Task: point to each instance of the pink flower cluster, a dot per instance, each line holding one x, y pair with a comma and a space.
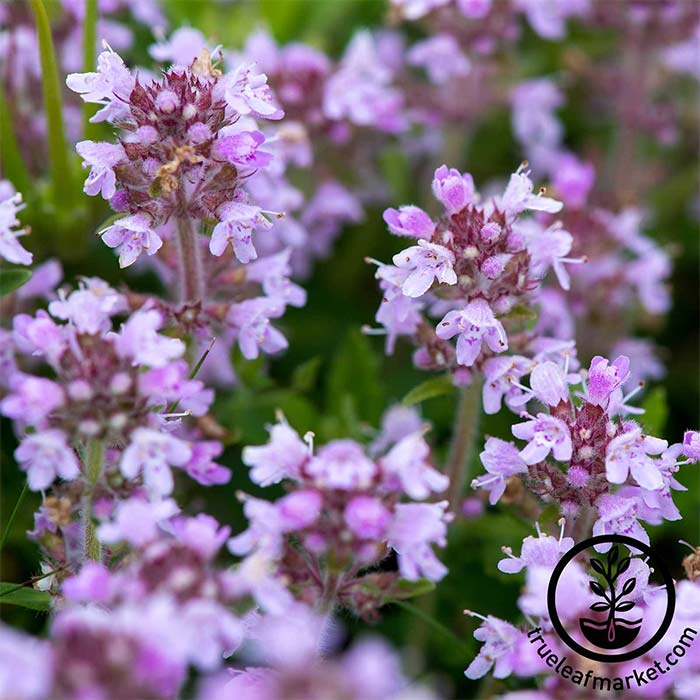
583, 453
343, 513
104, 385
471, 269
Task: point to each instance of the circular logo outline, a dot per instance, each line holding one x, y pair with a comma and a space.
572, 643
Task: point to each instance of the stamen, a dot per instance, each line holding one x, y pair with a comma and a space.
309, 440
634, 391
687, 544
471, 613
537, 527
562, 524
184, 414
369, 330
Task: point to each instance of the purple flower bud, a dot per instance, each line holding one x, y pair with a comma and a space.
409, 221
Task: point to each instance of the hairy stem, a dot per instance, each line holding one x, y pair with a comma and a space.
94, 460
190, 263
581, 527
464, 435
331, 584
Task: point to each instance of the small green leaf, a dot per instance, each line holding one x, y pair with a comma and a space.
24, 597
429, 389
305, 376
13, 279
403, 590
354, 387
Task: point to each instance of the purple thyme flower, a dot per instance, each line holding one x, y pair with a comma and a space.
10, 248
424, 263
629, 452
415, 527
544, 434
45, 456
474, 324
132, 234
501, 460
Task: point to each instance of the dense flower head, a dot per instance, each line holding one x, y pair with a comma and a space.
344, 508
471, 268
105, 385
583, 453
183, 151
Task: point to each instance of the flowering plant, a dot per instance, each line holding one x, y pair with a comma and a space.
234, 465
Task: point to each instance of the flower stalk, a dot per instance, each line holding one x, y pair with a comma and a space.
94, 461
189, 261
466, 426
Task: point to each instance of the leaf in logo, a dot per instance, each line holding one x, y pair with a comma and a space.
628, 587
598, 589
600, 606
627, 605
597, 565
623, 565
612, 556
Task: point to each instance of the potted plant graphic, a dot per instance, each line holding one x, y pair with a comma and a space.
613, 632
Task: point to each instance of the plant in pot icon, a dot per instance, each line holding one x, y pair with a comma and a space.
612, 632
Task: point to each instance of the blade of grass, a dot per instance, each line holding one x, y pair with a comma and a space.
12, 162
63, 193
13, 515
89, 48
431, 621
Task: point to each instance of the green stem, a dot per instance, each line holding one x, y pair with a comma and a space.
94, 460
330, 593
13, 164
89, 49
465, 429
53, 108
13, 515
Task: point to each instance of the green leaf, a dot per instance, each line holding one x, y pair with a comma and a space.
251, 373
354, 390
246, 413
429, 389
13, 279
403, 590
305, 376
655, 408
24, 597
61, 175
